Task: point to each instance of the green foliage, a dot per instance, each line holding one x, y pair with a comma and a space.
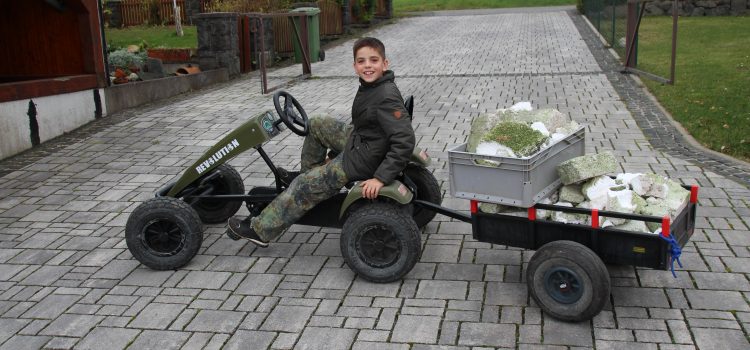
364, 10
151, 36
519, 137
579, 6
249, 5
124, 59
711, 95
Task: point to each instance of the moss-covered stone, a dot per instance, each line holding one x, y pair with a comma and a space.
572, 194
585, 167
552, 118
520, 138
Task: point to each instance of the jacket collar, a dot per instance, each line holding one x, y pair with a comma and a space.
387, 76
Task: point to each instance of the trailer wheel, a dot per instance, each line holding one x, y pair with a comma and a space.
568, 281
428, 189
380, 242
164, 233
229, 181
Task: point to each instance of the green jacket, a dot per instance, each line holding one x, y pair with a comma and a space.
382, 139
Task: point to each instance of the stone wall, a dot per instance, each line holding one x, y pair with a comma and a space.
218, 41
700, 7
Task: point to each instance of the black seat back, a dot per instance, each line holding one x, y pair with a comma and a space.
409, 105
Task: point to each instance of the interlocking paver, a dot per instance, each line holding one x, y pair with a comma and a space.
67, 279
326, 338
107, 338
157, 316
416, 329
72, 325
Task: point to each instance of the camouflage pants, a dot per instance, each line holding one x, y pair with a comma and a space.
318, 182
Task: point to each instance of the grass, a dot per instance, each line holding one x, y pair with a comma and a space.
401, 6
152, 36
711, 95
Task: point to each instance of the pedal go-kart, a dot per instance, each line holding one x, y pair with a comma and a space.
380, 238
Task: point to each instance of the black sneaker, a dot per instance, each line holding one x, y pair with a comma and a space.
286, 177
237, 229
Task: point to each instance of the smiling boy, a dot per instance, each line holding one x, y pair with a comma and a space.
378, 144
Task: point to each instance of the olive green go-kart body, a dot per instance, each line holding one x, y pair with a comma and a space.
380, 238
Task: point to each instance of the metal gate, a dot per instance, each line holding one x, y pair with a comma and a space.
618, 22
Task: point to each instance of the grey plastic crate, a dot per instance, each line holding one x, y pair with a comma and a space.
515, 182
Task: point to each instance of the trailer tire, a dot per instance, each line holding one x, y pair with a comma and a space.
380, 242
164, 233
428, 189
568, 281
212, 211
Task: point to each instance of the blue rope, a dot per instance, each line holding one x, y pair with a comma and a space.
674, 250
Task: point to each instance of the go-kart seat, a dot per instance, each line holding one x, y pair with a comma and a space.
409, 105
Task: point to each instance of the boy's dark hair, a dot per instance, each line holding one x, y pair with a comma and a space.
369, 42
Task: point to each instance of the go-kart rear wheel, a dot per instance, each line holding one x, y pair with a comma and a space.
568, 281
228, 181
428, 189
380, 242
164, 233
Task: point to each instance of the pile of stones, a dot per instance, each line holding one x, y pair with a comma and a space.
587, 185
518, 132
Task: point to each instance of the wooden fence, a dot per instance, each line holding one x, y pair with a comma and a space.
137, 12
330, 21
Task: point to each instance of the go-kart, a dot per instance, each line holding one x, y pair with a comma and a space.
380, 238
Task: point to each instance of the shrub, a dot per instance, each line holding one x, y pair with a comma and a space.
125, 59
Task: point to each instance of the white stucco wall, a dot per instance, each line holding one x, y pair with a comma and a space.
56, 115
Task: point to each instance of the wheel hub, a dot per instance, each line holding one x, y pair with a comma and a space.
563, 285
378, 246
162, 237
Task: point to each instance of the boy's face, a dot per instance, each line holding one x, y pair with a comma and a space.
369, 65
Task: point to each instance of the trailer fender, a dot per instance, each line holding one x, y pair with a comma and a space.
396, 191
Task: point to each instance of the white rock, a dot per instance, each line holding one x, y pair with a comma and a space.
568, 218
494, 149
677, 197
595, 190
633, 225
556, 137
626, 178
621, 202
541, 213
587, 205
568, 129
539, 126
650, 185
521, 106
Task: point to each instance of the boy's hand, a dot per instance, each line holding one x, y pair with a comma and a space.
370, 188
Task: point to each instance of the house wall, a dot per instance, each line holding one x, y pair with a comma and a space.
22, 126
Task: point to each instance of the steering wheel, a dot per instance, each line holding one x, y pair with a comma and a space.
297, 122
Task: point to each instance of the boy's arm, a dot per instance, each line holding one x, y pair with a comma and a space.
396, 124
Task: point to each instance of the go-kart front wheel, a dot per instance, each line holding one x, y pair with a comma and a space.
164, 233
227, 181
380, 242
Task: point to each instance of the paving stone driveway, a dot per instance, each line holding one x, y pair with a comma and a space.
68, 281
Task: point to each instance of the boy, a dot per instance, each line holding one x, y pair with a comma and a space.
375, 148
